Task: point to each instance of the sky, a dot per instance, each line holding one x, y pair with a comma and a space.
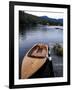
50, 14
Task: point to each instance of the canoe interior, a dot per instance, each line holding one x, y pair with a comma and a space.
38, 51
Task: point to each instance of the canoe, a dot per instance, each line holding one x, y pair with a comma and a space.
34, 60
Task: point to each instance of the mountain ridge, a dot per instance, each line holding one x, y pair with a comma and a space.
52, 19
26, 20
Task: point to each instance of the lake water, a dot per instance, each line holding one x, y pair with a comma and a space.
41, 34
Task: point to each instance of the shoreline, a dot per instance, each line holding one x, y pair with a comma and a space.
52, 26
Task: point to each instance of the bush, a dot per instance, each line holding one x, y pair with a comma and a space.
58, 49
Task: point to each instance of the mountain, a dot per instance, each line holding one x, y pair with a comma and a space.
52, 20
60, 20
27, 20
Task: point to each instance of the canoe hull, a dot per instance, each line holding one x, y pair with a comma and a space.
31, 64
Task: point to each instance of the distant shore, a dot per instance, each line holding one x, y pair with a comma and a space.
52, 26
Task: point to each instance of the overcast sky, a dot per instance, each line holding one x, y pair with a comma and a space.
55, 15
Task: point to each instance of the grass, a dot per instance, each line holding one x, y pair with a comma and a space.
58, 49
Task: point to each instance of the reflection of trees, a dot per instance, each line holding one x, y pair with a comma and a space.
22, 33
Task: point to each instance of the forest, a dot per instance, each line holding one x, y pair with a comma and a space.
26, 20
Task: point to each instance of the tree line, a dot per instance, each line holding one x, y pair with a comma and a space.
26, 20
